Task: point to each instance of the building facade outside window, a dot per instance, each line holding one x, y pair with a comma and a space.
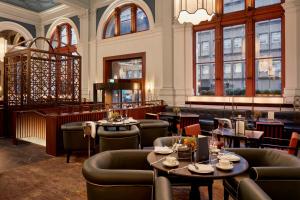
240, 52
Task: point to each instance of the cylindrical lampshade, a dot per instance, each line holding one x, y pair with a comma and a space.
3, 47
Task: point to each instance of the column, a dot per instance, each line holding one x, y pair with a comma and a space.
292, 50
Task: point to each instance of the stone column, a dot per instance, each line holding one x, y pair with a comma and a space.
165, 19
292, 50
83, 49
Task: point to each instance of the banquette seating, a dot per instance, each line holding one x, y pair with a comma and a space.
269, 168
123, 174
150, 129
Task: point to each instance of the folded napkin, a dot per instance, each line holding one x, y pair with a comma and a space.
204, 167
102, 121
93, 127
230, 157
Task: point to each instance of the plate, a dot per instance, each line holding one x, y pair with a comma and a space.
230, 157
215, 150
229, 167
202, 168
166, 163
163, 150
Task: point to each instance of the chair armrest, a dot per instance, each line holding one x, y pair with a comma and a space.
249, 190
274, 173
163, 189
121, 177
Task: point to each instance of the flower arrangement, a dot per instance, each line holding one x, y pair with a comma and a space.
115, 117
190, 142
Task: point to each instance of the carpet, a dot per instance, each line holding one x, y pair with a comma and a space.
54, 179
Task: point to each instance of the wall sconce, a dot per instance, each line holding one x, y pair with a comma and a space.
3, 48
150, 88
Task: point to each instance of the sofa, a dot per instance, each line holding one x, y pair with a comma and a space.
269, 168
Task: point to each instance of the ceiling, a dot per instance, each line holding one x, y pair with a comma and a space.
33, 5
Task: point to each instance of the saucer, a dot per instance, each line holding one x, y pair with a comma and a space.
163, 150
230, 157
166, 163
229, 167
202, 168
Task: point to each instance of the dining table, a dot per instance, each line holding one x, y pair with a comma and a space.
182, 170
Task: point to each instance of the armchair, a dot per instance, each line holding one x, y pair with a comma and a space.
249, 190
124, 174
268, 168
163, 190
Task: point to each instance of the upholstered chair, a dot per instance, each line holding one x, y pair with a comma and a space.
151, 129
73, 138
119, 174
192, 130
249, 190
114, 140
163, 189
268, 168
175, 180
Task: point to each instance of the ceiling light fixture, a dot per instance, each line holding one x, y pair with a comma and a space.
196, 11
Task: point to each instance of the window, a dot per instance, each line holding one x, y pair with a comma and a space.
126, 19
260, 3
268, 63
234, 80
233, 5
205, 63
64, 39
247, 57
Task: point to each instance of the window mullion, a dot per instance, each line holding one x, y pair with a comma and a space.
117, 22
133, 18
219, 60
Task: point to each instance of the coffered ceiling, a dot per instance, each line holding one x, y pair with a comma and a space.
33, 5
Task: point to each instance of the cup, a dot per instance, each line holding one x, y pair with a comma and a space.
171, 160
224, 163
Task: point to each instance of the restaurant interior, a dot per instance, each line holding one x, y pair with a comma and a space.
149, 99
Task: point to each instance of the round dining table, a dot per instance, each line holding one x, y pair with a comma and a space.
155, 160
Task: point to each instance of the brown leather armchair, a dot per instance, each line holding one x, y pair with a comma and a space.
115, 140
163, 189
151, 129
269, 168
119, 174
249, 190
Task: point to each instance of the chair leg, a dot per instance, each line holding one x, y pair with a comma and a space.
69, 152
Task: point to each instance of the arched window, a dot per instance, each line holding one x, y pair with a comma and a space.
64, 39
126, 19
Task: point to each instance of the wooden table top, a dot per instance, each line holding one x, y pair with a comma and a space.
249, 134
182, 170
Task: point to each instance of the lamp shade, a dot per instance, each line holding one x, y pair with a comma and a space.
3, 47
195, 11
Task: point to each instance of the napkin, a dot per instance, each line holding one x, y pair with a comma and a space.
161, 149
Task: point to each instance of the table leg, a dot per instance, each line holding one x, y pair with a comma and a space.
194, 193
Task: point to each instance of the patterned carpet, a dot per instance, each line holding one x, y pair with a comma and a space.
54, 179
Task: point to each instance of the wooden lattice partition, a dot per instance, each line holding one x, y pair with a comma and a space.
38, 77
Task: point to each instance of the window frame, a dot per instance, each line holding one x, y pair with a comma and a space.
249, 17
117, 13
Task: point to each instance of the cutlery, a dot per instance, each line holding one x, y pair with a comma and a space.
158, 160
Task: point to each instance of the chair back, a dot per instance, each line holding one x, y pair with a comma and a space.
293, 144
193, 130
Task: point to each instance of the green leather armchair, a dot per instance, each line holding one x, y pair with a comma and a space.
119, 174
249, 190
150, 129
269, 168
163, 189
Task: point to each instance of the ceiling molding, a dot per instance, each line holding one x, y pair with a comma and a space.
79, 4
19, 14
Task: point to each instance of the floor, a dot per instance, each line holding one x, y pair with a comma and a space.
28, 173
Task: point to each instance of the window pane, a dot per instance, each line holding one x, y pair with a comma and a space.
125, 18
260, 3
110, 28
128, 69
234, 60
205, 68
74, 38
55, 40
233, 5
142, 20
64, 36
268, 57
